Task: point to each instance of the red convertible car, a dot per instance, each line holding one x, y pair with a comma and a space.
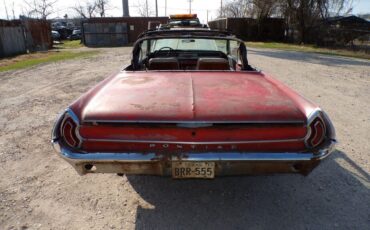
191, 106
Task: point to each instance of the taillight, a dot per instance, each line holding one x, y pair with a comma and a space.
69, 132
317, 132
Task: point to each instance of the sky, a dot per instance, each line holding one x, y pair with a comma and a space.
200, 7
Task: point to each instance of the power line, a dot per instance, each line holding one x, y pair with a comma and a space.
185, 9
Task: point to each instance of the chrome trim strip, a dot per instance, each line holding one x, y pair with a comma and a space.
73, 116
194, 143
194, 122
313, 115
330, 126
245, 157
106, 157
194, 125
55, 130
75, 157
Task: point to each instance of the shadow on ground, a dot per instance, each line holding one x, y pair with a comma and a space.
330, 197
312, 58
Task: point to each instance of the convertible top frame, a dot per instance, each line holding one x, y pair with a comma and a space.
188, 33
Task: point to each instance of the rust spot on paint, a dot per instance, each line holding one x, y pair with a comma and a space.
142, 107
136, 80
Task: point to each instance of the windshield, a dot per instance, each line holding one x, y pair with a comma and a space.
185, 44
189, 22
189, 53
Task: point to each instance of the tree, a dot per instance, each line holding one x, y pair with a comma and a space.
264, 8
235, 9
249, 8
101, 7
40, 8
258, 9
300, 15
144, 9
92, 8
13, 11
305, 15
330, 8
6, 10
87, 10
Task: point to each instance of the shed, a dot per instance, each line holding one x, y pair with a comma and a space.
118, 31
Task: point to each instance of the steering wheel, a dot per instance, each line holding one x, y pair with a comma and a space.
169, 50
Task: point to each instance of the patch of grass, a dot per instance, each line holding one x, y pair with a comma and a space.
308, 48
32, 60
67, 44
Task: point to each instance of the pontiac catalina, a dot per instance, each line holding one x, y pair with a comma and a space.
190, 106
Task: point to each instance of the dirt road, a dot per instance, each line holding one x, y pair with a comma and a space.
38, 190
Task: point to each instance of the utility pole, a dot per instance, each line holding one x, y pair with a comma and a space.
221, 9
147, 8
125, 8
190, 6
207, 16
156, 8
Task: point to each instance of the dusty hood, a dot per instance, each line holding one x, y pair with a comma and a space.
190, 96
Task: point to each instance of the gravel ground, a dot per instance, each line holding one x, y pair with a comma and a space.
38, 190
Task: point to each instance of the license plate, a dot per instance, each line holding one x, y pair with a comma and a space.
181, 169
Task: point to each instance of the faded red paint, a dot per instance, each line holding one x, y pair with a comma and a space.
192, 96
170, 134
104, 146
215, 133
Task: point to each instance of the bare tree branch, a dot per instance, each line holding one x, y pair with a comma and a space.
40, 8
143, 8
249, 8
6, 10
13, 10
101, 7
87, 10
301, 15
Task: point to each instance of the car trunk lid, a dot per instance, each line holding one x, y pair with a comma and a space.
188, 97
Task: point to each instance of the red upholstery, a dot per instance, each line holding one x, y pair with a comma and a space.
213, 64
169, 63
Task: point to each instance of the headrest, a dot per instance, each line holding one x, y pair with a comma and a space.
213, 64
169, 63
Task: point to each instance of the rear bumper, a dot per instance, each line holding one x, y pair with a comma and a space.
225, 163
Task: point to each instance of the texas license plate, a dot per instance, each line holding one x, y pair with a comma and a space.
181, 169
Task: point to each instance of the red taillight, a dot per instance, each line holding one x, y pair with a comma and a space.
68, 132
317, 134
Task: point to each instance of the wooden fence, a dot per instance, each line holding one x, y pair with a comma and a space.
249, 29
115, 31
24, 35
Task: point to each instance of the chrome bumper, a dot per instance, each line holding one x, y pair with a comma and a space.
226, 163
